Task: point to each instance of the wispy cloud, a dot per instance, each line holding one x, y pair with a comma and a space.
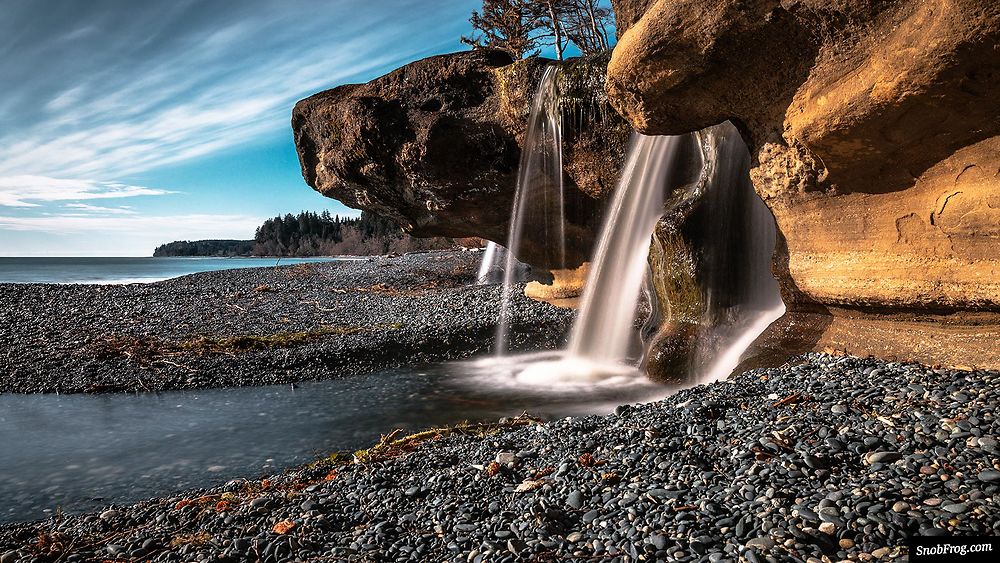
223, 79
27, 191
87, 208
163, 228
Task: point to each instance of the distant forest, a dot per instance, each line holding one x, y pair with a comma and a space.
317, 234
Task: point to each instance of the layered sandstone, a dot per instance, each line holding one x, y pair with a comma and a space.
875, 133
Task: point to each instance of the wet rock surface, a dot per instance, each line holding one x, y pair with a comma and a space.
761, 467
257, 326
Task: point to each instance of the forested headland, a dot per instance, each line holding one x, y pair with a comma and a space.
317, 234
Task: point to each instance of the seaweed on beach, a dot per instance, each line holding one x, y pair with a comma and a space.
392, 446
147, 351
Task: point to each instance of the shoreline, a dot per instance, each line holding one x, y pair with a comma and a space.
831, 456
258, 326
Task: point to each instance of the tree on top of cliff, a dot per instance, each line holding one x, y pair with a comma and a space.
507, 25
586, 23
522, 27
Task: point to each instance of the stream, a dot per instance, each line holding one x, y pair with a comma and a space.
78, 453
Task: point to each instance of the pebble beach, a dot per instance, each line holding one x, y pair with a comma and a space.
259, 326
826, 458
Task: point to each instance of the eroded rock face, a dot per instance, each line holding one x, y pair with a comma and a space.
875, 132
435, 145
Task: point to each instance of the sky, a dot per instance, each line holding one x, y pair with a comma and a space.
127, 124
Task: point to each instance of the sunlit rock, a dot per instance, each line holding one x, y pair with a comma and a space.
874, 134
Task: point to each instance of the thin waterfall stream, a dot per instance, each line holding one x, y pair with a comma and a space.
539, 199
490, 259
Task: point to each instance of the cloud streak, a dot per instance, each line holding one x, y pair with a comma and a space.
87, 208
28, 191
171, 226
199, 81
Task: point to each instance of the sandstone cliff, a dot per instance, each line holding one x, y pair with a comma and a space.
875, 133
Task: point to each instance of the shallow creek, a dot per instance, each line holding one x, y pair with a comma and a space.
81, 452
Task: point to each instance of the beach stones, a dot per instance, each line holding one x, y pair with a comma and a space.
695, 490
882, 457
990, 476
506, 458
575, 500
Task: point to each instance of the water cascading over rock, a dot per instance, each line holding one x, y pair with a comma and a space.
713, 291
711, 258
539, 208
876, 145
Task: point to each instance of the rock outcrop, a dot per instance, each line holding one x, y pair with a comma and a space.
875, 133
435, 145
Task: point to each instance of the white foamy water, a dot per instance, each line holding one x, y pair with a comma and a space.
559, 375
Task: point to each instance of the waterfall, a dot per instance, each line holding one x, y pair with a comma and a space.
701, 181
539, 197
739, 234
488, 264
735, 235
603, 328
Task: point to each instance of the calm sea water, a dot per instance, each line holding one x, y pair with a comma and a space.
125, 270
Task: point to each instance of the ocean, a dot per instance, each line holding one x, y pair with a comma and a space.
126, 270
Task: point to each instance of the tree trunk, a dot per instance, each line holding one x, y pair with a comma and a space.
598, 36
556, 30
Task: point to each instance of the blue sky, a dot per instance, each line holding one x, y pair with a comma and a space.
125, 124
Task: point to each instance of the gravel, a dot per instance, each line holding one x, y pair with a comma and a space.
258, 326
717, 472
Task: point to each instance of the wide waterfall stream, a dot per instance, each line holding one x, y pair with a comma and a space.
602, 332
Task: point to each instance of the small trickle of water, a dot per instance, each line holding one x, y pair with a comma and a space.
539, 200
